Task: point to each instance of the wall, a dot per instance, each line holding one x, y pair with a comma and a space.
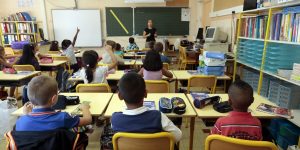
220, 4
11, 6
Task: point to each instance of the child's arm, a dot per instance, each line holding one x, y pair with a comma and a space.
112, 56
145, 35
167, 73
87, 117
168, 126
75, 37
141, 72
216, 129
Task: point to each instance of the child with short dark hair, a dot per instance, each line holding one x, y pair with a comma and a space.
239, 123
68, 50
132, 45
39, 116
54, 46
91, 73
136, 117
159, 47
153, 67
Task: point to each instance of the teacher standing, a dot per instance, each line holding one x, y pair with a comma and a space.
150, 32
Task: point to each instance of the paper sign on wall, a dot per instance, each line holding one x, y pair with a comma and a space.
185, 14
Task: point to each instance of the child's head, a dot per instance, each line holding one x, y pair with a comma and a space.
65, 44
132, 89
28, 53
111, 43
42, 91
240, 96
118, 47
54, 46
131, 40
152, 61
159, 47
150, 45
90, 61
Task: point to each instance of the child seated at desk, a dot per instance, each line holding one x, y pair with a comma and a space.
239, 123
54, 46
107, 58
136, 117
91, 72
3, 64
39, 116
68, 50
153, 67
132, 45
118, 50
159, 48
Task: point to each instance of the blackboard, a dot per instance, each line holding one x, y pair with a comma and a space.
113, 27
167, 21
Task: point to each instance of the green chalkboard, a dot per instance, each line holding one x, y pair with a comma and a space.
167, 20
125, 15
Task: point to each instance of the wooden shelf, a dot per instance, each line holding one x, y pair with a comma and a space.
254, 39
18, 21
9, 33
288, 4
26, 33
250, 66
283, 42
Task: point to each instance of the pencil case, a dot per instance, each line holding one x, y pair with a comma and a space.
165, 105
179, 106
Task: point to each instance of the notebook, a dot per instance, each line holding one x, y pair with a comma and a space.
278, 111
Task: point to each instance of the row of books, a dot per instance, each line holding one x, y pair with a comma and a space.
8, 39
21, 16
254, 27
22, 28
25, 28
8, 28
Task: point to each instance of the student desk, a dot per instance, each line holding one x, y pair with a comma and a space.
116, 105
184, 75
127, 62
19, 79
133, 55
98, 103
51, 66
209, 113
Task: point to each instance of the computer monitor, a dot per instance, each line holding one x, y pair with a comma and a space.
213, 34
200, 34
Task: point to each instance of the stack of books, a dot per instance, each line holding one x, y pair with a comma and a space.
296, 73
21, 16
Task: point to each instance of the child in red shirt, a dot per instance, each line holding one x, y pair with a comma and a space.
239, 123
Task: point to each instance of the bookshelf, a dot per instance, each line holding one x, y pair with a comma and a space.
18, 31
268, 40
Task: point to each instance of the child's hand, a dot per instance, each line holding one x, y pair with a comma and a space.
27, 108
78, 29
108, 47
84, 106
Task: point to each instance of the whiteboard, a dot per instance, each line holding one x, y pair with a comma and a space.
65, 23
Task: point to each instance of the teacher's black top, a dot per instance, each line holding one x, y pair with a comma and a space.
152, 32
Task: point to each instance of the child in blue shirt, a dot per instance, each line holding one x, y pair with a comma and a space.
159, 48
39, 116
132, 45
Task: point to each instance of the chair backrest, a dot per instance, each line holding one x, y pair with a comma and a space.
138, 141
214, 142
166, 66
93, 88
9, 51
157, 86
183, 53
24, 67
209, 82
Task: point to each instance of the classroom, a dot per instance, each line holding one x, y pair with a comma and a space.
150, 74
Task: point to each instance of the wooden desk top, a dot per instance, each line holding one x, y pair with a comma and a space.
54, 64
139, 62
116, 105
98, 103
17, 77
127, 62
209, 112
184, 75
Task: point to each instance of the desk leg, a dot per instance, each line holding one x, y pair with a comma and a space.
176, 86
225, 86
192, 126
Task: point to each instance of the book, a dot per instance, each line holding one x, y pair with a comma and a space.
278, 111
150, 105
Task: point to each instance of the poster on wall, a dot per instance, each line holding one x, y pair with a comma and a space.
185, 14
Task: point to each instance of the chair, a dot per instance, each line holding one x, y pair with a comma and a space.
215, 142
166, 66
93, 88
184, 59
9, 51
63, 58
209, 82
157, 86
138, 141
24, 67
